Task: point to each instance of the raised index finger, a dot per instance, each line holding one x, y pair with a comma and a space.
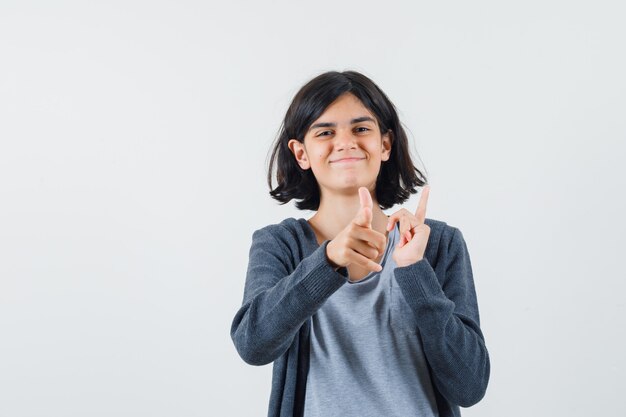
421, 208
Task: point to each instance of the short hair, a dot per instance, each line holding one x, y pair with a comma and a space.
397, 177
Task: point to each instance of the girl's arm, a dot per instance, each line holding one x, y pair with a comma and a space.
448, 321
276, 303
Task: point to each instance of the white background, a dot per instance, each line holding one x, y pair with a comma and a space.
133, 145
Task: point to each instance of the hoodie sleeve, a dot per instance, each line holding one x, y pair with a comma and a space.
448, 321
278, 301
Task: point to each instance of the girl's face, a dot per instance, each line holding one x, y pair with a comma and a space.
343, 147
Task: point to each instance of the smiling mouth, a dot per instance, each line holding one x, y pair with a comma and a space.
347, 160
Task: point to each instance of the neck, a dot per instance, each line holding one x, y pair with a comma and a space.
337, 211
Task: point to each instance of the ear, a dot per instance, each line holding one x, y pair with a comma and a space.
299, 152
386, 145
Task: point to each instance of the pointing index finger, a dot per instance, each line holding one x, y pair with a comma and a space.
420, 213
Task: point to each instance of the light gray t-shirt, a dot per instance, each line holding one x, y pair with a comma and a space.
366, 355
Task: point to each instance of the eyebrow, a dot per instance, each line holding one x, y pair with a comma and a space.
353, 121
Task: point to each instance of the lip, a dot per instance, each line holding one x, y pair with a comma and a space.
348, 160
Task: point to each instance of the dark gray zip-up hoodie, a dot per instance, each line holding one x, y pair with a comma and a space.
289, 277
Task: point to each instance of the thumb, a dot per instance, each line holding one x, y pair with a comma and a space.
364, 217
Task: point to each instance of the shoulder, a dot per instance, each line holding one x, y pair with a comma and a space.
444, 238
287, 228
440, 229
291, 236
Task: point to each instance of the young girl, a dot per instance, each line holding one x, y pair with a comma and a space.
363, 314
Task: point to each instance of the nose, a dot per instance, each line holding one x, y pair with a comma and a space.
345, 138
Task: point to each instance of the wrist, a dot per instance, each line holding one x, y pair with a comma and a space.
330, 261
402, 264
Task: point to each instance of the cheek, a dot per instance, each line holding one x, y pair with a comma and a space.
374, 151
321, 152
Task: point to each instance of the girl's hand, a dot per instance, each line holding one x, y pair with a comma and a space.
414, 232
358, 243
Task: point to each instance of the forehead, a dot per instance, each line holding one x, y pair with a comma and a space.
346, 107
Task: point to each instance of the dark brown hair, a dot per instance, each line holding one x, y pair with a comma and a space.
397, 178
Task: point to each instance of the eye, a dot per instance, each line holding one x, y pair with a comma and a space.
323, 133
365, 129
